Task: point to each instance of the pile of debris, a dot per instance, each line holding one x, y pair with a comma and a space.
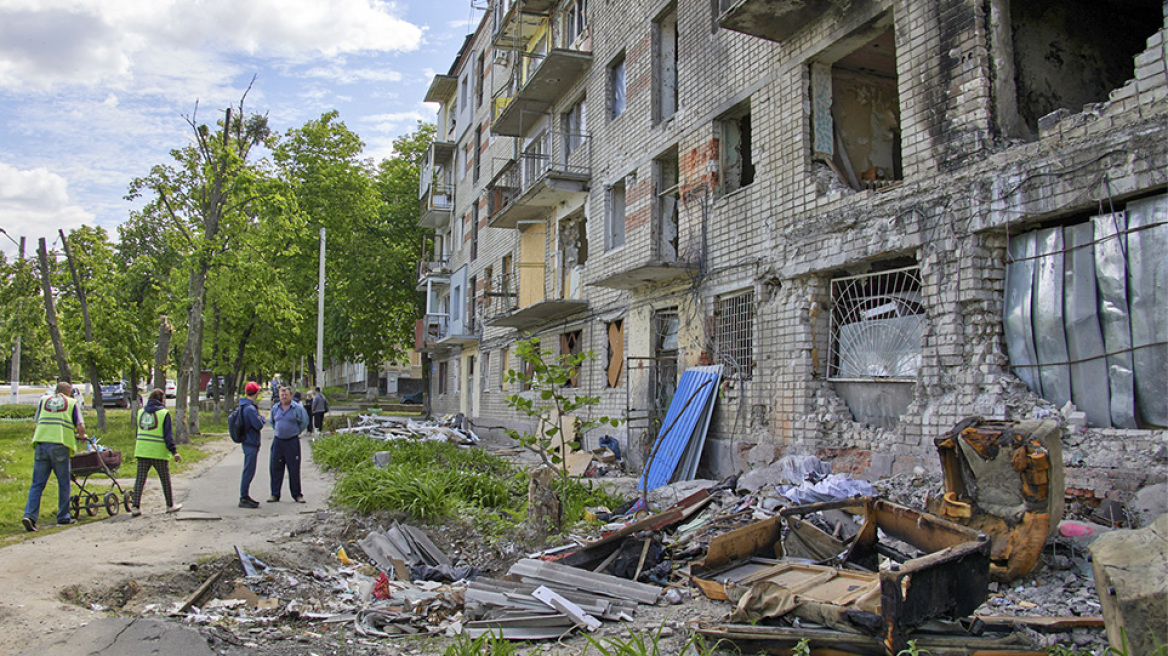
387, 427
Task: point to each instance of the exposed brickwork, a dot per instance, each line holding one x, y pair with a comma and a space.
965, 189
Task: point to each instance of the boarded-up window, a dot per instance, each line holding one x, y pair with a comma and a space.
616, 353
1086, 318
734, 318
570, 345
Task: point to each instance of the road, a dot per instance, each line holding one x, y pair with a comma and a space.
35, 621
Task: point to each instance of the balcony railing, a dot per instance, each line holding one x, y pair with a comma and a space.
429, 330
538, 81
429, 267
537, 179
501, 296
437, 204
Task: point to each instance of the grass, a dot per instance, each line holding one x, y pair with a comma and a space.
16, 453
430, 480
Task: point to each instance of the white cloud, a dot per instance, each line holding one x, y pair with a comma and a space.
48, 42
35, 203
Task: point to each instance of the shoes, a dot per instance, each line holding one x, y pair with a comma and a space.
175, 508
300, 500
66, 522
137, 512
29, 524
248, 502
273, 499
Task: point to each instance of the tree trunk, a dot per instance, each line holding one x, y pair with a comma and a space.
372, 381
160, 352
51, 318
237, 366
217, 365
187, 404
90, 363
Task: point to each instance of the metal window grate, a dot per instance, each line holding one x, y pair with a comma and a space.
876, 325
734, 341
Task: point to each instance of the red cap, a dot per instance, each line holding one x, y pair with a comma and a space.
252, 387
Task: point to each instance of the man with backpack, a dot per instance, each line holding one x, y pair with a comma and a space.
250, 423
320, 405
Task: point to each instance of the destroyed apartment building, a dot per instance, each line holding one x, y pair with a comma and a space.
852, 224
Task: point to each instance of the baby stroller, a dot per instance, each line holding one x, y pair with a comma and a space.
87, 464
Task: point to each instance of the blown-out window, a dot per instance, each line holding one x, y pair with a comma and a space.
877, 321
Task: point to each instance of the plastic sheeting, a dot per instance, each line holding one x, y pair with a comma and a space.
1147, 258
1084, 337
1111, 275
835, 486
1019, 327
1050, 337
683, 432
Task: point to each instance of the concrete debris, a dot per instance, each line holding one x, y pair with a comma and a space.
386, 427
1130, 569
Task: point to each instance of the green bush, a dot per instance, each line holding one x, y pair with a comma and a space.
430, 480
17, 411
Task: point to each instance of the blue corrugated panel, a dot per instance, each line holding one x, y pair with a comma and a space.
685, 425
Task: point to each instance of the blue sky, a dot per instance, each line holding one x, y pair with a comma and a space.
93, 92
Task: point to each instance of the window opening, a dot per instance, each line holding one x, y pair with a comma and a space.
665, 65
443, 372
734, 339
570, 345
855, 110
480, 76
877, 323
474, 230
666, 324
472, 303
504, 367
573, 256
477, 154
485, 375
737, 153
574, 128
1073, 53
614, 233
668, 199
529, 368
616, 84
615, 353
575, 19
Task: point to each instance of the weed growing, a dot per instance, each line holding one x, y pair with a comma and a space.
430, 480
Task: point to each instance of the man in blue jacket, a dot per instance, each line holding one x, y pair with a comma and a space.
289, 419
253, 423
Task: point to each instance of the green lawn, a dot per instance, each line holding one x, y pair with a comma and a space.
16, 453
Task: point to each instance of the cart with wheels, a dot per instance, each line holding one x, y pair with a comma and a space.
90, 463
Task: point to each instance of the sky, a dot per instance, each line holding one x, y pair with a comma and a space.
93, 93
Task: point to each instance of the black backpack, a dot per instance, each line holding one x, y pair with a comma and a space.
235, 425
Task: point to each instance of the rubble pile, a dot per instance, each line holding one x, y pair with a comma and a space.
386, 427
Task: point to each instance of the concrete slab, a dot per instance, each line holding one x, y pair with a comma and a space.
119, 636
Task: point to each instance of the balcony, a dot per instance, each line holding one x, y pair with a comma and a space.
432, 273
503, 303
442, 88
526, 188
428, 331
437, 204
649, 271
541, 80
774, 20
519, 22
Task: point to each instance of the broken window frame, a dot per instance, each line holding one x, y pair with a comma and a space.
667, 207
573, 255
665, 60
571, 343
504, 367
575, 127
617, 87
575, 21
443, 372
615, 215
485, 373
876, 301
735, 150
734, 315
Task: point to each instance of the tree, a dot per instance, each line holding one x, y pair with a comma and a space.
208, 195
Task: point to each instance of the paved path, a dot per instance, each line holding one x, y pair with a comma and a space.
35, 622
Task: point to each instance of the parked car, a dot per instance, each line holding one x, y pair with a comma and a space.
171, 389
116, 394
222, 386
412, 399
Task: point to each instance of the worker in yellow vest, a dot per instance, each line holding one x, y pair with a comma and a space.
59, 427
154, 449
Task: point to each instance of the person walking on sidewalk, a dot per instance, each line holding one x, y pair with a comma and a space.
253, 423
320, 405
289, 419
58, 428
154, 449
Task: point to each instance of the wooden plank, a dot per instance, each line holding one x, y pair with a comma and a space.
202, 589
566, 607
1054, 624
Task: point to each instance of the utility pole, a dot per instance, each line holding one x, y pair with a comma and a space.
16, 347
320, 318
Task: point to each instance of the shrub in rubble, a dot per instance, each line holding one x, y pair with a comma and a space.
544, 379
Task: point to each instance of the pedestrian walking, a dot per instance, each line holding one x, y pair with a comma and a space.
154, 449
320, 406
253, 423
308, 408
289, 419
58, 428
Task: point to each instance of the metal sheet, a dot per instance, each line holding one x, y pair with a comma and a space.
1111, 274
1089, 389
1147, 244
1019, 329
1050, 338
687, 414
